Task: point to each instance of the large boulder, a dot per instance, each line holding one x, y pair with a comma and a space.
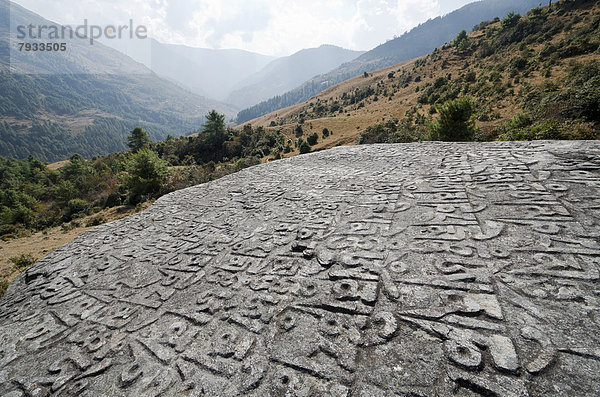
421, 269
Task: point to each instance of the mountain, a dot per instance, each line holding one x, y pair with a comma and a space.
206, 72
534, 77
286, 73
83, 100
418, 42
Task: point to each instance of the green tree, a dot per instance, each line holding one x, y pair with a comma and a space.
462, 35
313, 139
215, 123
138, 139
147, 174
461, 41
510, 20
455, 123
210, 143
76, 170
304, 147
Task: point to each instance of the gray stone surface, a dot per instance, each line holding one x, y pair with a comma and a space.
425, 269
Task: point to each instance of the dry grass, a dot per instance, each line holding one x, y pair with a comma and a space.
348, 126
41, 244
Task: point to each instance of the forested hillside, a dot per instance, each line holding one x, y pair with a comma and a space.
84, 100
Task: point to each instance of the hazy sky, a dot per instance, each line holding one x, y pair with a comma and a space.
271, 27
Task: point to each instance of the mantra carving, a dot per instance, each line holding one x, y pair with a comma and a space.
422, 269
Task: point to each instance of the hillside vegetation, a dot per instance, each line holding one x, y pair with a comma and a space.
45, 205
418, 42
83, 100
530, 77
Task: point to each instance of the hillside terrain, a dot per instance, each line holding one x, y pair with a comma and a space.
85, 99
286, 73
536, 76
418, 42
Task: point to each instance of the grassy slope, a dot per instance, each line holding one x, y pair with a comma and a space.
347, 126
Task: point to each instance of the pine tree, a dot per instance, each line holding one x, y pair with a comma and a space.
455, 122
138, 139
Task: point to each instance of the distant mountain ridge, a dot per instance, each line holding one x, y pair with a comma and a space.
531, 78
84, 100
418, 42
286, 73
206, 72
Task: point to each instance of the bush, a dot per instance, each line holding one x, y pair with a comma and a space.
455, 122
313, 139
78, 207
375, 134
521, 120
3, 288
549, 129
147, 174
304, 147
539, 131
23, 261
95, 221
8, 230
518, 63
510, 20
461, 42
581, 131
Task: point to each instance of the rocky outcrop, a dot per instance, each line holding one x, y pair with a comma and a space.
422, 269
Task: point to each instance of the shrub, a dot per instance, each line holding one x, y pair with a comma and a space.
147, 175
374, 134
23, 261
461, 42
8, 229
3, 288
455, 122
510, 20
304, 147
78, 207
518, 63
95, 221
581, 131
521, 120
540, 131
313, 139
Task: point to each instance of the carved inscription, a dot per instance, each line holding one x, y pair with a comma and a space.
421, 269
